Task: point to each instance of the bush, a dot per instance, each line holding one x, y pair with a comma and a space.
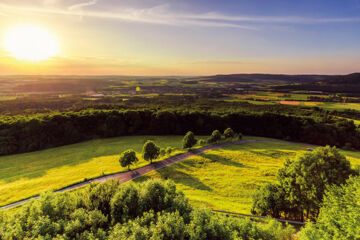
189, 140
150, 210
339, 215
150, 151
162, 152
229, 133
169, 150
239, 136
215, 136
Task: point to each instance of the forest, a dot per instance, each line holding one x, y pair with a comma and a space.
35, 132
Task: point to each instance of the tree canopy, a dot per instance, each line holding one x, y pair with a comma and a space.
127, 158
339, 216
189, 140
150, 151
303, 182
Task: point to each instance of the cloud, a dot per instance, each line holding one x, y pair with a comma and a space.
270, 19
82, 5
162, 14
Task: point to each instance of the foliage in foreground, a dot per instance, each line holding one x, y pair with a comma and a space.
302, 184
153, 210
339, 216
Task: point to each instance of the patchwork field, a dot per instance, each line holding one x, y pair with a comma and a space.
224, 179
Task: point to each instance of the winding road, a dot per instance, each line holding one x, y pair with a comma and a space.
130, 175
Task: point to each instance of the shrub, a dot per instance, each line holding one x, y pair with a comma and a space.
169, 150
162, 152
229, 133
150, 210
339, 215
215, 136
189, 140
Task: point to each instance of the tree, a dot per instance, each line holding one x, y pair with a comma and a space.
128, 158
305, 179
150, 151
215, 136
189, 140
302, 184
229, 133
269, 200
339, 215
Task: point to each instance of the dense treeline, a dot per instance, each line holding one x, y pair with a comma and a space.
153, 210
29, 133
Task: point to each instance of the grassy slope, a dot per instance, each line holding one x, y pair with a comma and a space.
224, 179
25, 175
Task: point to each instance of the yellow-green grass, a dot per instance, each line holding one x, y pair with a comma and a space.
331, 105
28, 174
225, 179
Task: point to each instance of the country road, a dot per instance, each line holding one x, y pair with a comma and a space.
130, 175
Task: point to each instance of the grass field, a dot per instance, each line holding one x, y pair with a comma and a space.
224, 179
28, 174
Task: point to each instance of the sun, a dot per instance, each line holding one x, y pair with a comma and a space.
30, 43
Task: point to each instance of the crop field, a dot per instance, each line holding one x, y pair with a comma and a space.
224, 179
325, 105
28, 174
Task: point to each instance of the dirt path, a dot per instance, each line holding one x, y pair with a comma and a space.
130, 175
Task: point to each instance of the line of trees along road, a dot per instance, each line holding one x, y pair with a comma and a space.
29, 133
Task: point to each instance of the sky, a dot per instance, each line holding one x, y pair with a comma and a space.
188, 37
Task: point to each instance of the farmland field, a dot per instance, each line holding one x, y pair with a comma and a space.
224, 179
25, 175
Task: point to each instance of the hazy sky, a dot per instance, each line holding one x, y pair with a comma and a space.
189, 37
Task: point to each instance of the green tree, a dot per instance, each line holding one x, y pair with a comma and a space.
339, 215
125, 204
269, 200
305, 179
215, 136
128, 158
150, 151
229, 133
189, 140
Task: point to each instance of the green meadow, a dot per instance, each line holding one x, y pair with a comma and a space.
28, 174
222, 179
225, 179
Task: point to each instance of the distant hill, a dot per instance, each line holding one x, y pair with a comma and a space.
353, 78
333, 84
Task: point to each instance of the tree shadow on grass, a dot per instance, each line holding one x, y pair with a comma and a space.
179, 177
272, 153
222, 160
